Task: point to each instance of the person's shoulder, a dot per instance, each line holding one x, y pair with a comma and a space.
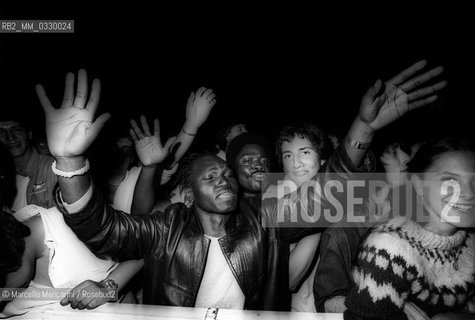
175, 212
337, 237
35, 241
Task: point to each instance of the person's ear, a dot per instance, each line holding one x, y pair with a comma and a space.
30, 135
189, 198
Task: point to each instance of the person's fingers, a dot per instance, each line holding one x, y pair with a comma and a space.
94, 303
212, 103
136, 128
145, 127
68, 98
379, 101
370, 95
409, 72
133, 135
87, 294
95, 96
98, 125
211, 96
417, 81
64, 301
84, 302
419, 103
200, 92
81, 93
156, 128
190, 98
426, 91
44, 101
207, 93
75, 294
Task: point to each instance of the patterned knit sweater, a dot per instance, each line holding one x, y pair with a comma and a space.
400, 261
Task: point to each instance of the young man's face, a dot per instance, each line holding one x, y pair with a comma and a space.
214, 186
15, 137
251, 164
300, 160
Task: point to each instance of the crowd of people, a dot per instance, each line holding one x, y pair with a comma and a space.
164, 226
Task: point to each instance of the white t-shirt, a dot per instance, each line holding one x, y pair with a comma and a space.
70, 262
219, 288
125, 192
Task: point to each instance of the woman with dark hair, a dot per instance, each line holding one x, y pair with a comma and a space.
421, 263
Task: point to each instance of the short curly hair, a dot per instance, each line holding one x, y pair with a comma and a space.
317, 137
185, 168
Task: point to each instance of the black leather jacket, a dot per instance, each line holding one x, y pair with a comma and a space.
175, 249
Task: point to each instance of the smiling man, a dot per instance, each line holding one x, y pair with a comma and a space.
249, 155
34, 177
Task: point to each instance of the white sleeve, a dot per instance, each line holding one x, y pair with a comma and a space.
80, 204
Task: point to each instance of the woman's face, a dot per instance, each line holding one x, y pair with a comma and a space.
448, 191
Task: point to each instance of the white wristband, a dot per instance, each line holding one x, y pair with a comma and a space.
70, 174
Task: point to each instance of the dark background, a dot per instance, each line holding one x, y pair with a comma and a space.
268, 66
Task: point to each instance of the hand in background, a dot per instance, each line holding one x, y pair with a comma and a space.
401, 94
198, 107
148, 145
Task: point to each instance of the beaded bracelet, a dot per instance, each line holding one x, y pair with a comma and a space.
70, 174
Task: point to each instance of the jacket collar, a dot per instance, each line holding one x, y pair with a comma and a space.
232, 225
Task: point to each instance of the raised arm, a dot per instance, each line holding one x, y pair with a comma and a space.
70, 131
381, 106
151, 153
198, 108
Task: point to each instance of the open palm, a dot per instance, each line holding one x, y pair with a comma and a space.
71, 129
401, 94
147, 145
199, 106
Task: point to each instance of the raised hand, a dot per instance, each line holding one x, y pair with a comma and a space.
148, 146
402, 94
198, 107
71, 129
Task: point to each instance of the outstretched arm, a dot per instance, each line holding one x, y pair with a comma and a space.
401, 94
87, 294
198, 108
151, 153
70, 131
